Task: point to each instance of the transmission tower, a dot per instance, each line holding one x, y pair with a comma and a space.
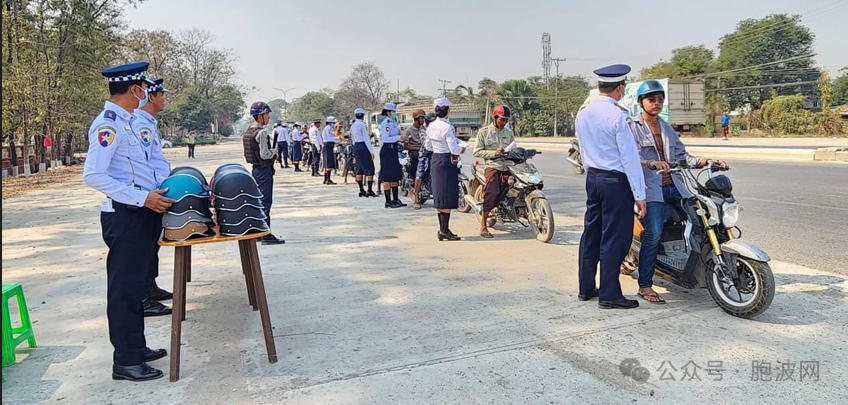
546, 57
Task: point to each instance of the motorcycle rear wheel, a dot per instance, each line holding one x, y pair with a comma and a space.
759, 285
464, 206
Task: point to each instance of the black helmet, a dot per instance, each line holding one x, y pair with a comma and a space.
259, 107
235, 217
191, 203
430, 117
249, 225
232, 183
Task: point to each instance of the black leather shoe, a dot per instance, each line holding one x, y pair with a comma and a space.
392, 204
153, 355
619, 304
159, 295
272, 240
141, 372
448, 236
363, 194
371, 194
330, 182
588, 295
399, 203
155, 308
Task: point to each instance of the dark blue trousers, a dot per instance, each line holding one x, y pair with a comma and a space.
131, 234
154, 267
607, 233
283, 152
264, 177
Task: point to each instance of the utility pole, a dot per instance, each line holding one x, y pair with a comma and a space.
556, 62
444, 85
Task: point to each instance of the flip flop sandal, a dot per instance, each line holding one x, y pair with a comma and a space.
659, 300
486, 234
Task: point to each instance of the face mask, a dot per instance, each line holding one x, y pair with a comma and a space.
142, 101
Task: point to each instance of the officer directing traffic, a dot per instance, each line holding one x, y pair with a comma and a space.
614, 180
119, 165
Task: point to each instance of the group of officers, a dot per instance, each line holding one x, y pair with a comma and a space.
125, 162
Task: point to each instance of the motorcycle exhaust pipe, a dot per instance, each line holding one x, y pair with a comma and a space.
473, 203
573, 161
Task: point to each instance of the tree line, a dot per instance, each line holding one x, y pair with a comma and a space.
53, 52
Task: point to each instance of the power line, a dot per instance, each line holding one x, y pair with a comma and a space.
706, 75
763, 86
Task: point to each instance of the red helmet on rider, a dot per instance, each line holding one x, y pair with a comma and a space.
501, 111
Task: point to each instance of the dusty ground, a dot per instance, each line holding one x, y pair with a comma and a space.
20, 185
368, 307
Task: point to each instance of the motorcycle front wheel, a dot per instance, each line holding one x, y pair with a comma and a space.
543, 219
748, 296
464, 206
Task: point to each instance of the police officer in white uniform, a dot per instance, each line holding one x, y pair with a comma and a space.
281, 138
364, 153
614, 181
391, 173
146, 126
328, 150
118, 165
317, 145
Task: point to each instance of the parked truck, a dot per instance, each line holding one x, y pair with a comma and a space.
684, 108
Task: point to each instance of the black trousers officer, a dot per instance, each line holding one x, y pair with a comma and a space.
131, 233
283, 153
608, 232
265, 180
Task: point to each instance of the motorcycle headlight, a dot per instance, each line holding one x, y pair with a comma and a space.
729, 214
535, 178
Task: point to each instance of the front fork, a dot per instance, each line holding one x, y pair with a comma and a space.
726, 269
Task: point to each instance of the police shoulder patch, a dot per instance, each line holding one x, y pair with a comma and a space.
106, 135
145, 134
110, 115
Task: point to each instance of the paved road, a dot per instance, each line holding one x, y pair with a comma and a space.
797, 212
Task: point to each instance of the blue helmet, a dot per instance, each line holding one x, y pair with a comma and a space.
259, 108
647, 88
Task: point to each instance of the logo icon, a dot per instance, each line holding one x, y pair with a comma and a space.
631, 367
145, 134
105, 136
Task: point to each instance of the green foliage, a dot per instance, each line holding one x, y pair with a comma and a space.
786, 115
825, 91
756, 42
518, 95
840, 88
685, 61
312, 105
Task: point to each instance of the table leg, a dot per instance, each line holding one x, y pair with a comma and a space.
262, 301
187, 278
248, 275
176, 318
188, 268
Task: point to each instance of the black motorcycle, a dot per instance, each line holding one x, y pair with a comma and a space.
523, 201
701, 247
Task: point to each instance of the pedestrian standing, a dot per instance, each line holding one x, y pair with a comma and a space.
146, 126
364, 153
390, 171
281, 134
259, 152
329, 146
296, 148
444, 172
118, 165
614, 181
190, 141
423, 169
317, 144
725, 124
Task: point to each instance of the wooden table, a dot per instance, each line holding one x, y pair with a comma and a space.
252, 278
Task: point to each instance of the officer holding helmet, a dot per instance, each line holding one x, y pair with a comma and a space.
658, 145
119, 165
491, 142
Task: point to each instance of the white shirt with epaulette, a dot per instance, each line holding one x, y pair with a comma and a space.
389, 131
118, 164
147, 128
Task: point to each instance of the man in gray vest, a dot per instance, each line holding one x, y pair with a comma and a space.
259, 152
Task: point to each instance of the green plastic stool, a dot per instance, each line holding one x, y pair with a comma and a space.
12, 337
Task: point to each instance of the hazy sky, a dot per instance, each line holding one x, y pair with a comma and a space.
313, 44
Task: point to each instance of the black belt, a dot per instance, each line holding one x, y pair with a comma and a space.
609, 172
127, 207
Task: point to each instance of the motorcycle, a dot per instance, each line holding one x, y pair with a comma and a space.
575, 158
524, 199
698, 247
424, 194
306, 147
